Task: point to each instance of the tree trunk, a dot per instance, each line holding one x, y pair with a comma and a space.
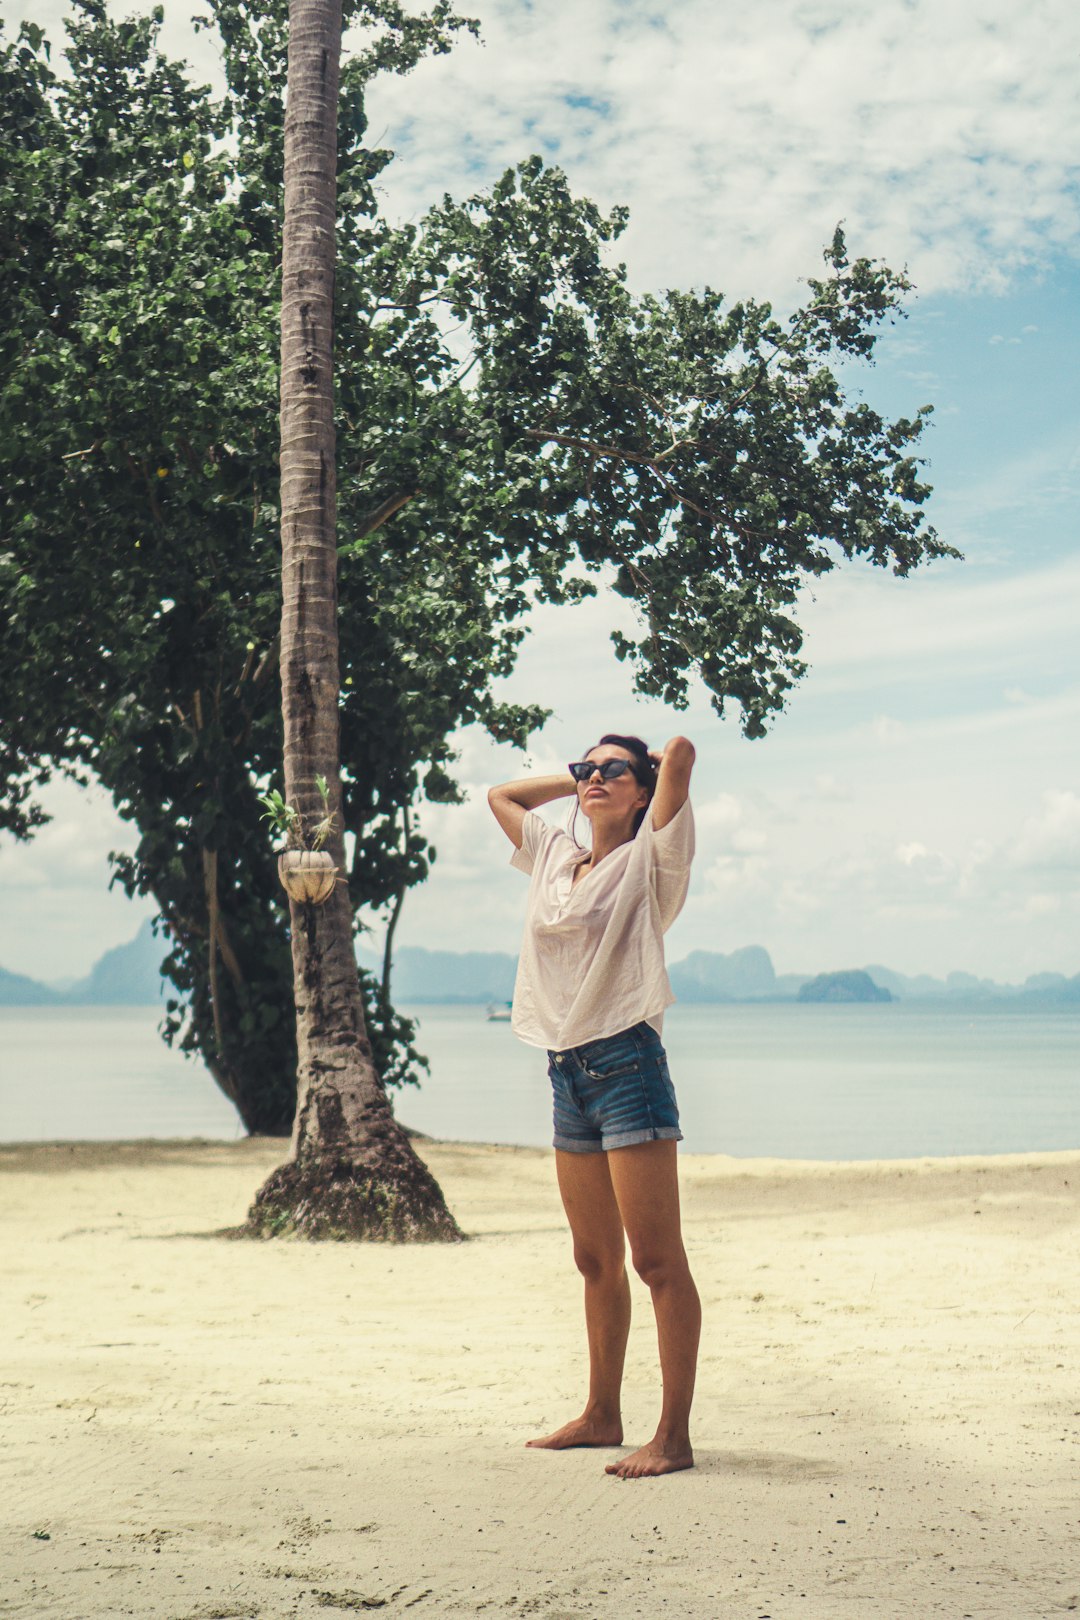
352, 1172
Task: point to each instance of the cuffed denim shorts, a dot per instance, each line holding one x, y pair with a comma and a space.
613, 1093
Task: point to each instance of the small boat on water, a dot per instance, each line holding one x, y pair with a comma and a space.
497, 1014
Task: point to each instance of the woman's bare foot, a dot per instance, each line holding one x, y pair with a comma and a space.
655, 1458
587, 1430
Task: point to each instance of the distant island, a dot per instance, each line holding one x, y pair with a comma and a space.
126, 976
850, 985
129, 976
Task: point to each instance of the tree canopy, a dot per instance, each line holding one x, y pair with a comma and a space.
507, 411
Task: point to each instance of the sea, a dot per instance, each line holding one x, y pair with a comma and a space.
892, 1081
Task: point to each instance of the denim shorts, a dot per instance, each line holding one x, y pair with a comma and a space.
613, 1093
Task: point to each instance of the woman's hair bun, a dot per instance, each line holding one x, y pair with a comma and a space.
633, 745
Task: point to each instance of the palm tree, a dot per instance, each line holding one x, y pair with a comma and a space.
352, 1171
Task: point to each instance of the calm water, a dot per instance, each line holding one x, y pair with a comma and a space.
809, 1082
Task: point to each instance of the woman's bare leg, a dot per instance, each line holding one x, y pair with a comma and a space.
645, 1183
600, 1255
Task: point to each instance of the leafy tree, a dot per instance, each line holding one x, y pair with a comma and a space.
140, 555
705, 453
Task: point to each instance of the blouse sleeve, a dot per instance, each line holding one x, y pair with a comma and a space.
671, 850
534, 830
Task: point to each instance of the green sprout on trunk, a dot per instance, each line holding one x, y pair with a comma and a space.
287, 822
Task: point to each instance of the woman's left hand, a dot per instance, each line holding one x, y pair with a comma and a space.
673, 766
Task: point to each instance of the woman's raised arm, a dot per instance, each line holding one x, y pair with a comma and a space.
510, 800
672, 779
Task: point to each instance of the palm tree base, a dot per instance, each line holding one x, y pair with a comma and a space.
328, 1197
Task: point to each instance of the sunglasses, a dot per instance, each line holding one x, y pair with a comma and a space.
582, 769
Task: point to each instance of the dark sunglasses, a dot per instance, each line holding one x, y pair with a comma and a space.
582, 769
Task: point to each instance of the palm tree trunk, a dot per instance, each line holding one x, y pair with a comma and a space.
352, 1171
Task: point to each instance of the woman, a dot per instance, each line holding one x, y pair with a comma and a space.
591, 989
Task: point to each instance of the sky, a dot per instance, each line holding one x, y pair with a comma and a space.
918, 804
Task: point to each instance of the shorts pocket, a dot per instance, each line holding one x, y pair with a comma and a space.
611, 1058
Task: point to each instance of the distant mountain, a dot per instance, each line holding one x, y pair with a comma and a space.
130, 976
1041, 987
744, 975
127, 976
449, 976
1061, 991
922, 986
1045, 981
851, 984
16, 990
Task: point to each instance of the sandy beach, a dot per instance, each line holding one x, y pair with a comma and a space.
887, 1423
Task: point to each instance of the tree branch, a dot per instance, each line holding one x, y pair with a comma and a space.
228, 955
210, 862
611, 452
399, 901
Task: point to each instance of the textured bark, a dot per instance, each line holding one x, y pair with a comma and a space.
352, 1172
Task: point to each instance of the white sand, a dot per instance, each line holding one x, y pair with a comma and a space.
888, 1419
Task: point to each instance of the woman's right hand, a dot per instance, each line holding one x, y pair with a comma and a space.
510, 801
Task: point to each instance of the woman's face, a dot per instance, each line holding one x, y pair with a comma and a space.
616, 800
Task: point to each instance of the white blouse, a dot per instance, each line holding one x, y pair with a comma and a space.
592, 960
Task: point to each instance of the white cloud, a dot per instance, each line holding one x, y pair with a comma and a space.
739, 138
719, 816
1042, 905
910, 852
1050, 839
1035, 479
826, 843
59, 914
71, 850
945, 136
827, 788
834, 895
951, 619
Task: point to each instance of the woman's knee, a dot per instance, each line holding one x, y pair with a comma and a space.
597, 1264
658, 1266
